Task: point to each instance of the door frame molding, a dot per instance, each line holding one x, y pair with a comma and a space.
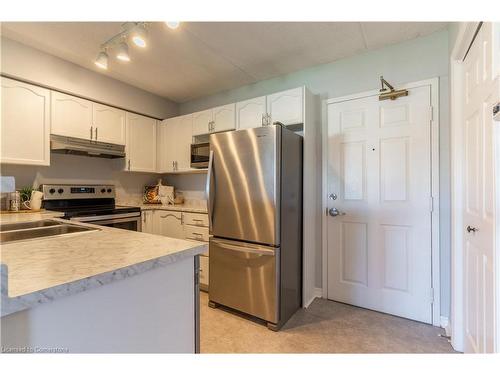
435, 226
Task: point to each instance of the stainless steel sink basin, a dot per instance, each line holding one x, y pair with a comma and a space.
28, 225
42, 231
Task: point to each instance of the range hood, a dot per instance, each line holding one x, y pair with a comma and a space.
76, 146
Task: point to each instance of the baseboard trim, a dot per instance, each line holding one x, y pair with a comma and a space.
444, 322
317, 293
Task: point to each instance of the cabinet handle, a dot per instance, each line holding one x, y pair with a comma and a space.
182, 218
129, 164
96, 133
173, 165
213, 126
91, 131
263, 119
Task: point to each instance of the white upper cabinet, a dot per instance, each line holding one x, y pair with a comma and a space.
162, 146
175, 137
71, 116
25, 130
202, 122
141, 143
109, 124
183, 139
286, 107
223, 118
251, 113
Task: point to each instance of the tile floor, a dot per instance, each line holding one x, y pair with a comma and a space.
324, 327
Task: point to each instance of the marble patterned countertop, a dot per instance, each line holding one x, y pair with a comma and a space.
40, 270
28, 216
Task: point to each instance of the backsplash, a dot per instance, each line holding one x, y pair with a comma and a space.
73, 169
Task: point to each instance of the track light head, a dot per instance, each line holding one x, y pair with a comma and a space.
139, 36
122, 52
172, 24
102, 60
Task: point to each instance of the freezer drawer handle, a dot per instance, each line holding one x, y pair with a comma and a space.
255, 250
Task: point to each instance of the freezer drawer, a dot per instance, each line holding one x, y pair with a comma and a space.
244, 276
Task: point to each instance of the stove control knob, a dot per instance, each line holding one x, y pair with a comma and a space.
103, 190
60, 190
109, 190
52, 191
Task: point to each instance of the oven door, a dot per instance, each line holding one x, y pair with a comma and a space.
115, 221
199, 155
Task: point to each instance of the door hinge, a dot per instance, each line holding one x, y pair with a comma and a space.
431, 204
431, 295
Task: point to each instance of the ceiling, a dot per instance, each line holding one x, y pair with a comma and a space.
203, 58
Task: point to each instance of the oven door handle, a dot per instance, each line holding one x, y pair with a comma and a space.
106, 217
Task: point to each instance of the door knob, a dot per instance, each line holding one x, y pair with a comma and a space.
471, 229
334, 212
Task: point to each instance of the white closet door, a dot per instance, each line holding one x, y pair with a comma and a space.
25, 130
71, 116
251, 113
479, 188
379, 168
224, 118
287, 106
109, 124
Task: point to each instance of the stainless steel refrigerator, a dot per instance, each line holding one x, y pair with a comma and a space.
254, 189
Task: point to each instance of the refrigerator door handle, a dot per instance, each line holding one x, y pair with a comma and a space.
256, 249
209, 192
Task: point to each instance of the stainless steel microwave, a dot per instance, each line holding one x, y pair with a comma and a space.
199, 155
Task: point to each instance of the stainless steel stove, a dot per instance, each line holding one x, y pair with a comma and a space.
93, 204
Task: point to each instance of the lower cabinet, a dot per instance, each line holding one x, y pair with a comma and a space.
170, 223
183, 225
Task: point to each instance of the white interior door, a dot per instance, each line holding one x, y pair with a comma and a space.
478, 205
379, 175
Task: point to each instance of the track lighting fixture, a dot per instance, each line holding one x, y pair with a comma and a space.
122, 52
118, 43
139, 36
172, 24
102, 60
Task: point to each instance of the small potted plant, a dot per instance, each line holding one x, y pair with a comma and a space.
25, 194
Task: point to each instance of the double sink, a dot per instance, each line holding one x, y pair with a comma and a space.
38, 229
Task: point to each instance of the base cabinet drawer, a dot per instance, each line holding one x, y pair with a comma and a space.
203, 272
199, 220
195, 233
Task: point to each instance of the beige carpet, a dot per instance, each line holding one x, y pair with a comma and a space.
325, 327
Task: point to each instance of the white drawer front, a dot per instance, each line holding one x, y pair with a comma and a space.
200, 220
204, 270
195, 233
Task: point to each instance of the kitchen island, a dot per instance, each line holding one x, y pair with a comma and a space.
103, 291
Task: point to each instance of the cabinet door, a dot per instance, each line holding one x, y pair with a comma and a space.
224, 118
183, 139
25, 130
141, 143
148, 222
204, 276
286, 106
109, 124
201, 121
71, 116
162, 161
250, 113
170, 224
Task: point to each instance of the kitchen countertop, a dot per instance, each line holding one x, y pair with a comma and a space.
28, 216
39, 270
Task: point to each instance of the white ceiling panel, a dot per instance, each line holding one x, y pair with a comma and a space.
202, 58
